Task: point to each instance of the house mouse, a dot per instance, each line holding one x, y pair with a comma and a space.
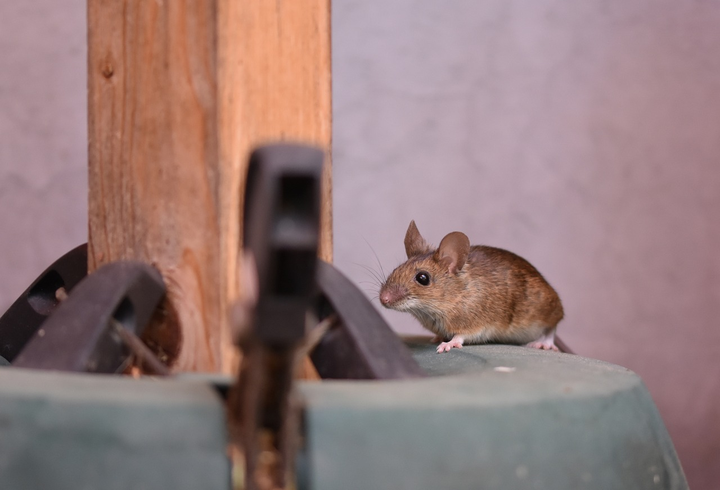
473, 294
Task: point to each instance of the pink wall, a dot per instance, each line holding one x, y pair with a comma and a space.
43, 138
584, 136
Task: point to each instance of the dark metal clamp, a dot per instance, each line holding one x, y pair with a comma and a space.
24, 317
281, 223
68, 320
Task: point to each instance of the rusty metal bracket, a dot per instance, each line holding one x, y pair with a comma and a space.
24, 317
94, 328
361, 345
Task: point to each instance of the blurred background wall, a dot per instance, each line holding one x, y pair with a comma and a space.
584, 136
43, 138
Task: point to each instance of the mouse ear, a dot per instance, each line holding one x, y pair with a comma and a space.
453, 251
415, 244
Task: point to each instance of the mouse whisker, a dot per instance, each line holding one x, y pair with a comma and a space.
378, 281
377, 259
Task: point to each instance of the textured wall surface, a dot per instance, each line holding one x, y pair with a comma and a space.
584, 136
43, 138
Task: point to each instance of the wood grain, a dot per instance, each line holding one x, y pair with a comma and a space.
179, 91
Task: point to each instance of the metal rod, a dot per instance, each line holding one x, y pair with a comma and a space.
144, 354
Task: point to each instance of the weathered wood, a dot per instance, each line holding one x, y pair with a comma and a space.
179, 91
284, 69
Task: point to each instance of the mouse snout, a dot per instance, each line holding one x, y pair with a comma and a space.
391, 294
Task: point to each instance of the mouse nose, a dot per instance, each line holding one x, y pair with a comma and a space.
391, 294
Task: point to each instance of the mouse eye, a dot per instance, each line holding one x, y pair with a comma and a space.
422, 278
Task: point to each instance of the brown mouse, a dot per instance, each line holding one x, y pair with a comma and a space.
473, 294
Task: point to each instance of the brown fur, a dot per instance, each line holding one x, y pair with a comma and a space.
485, 294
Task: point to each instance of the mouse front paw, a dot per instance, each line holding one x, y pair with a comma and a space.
455, 342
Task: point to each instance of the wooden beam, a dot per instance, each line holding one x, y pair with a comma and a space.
179, 91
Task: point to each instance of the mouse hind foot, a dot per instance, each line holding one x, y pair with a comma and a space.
545, 342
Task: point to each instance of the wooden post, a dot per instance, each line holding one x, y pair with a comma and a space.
179, 91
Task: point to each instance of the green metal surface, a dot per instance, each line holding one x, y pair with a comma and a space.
490, 417
64, 431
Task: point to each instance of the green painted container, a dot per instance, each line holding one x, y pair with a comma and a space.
97, 432
489, 417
